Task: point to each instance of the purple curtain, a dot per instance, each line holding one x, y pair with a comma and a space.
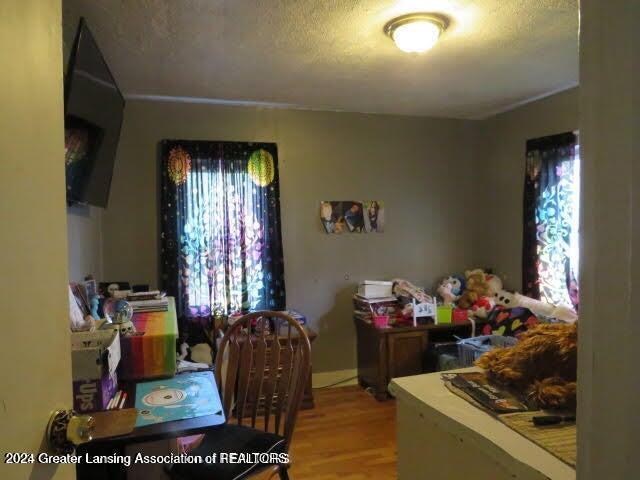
551, 191
221, 244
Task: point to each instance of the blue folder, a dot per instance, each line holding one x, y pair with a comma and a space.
188, 395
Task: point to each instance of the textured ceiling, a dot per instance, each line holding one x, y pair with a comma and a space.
333, 55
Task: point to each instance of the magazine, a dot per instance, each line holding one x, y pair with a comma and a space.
494, 398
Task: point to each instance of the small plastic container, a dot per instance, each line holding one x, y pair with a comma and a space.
381, 321
444, 314
470, 349
459, 316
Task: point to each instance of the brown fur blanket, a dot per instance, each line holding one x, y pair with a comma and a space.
543, 365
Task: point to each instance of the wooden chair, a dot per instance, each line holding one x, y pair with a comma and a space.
261, 369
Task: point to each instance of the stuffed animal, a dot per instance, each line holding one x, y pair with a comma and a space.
476, 287
565, 314
457, 284
445, 290
494, 283
538, 307
505, 299
542, 365
481, 308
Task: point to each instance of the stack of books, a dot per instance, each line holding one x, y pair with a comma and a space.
152, 301
364, 308
375, 297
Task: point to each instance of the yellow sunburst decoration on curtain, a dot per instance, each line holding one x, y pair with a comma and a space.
179, 165
261, 168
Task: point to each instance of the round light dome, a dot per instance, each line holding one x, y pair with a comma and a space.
416, 32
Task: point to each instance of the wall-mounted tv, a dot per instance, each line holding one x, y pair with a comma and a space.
94, 108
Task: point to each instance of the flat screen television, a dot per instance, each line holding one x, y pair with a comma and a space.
94, 107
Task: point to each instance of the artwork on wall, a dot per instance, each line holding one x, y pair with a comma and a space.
352, 216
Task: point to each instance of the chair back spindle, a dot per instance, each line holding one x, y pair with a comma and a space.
262, 371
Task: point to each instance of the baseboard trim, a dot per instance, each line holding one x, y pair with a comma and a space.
324, 379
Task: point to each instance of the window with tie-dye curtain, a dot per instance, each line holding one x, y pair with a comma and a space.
221, 245
551, 219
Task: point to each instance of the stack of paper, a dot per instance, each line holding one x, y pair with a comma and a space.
375, 289
151, 301
150, 305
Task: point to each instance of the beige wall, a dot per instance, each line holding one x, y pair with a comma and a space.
608, 378
440, 178
35, 367
501, 168
84, 240
422, 169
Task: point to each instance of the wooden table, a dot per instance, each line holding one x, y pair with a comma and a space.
386, 353
442, 436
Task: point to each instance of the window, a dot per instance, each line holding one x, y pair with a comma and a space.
551, 219
220, 216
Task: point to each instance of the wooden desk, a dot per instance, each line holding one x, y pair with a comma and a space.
144, 434
164, 430
442, 437
386, 353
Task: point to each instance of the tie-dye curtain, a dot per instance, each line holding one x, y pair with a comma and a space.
221, 245
551, 202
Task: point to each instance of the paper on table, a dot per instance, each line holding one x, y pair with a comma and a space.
184, 396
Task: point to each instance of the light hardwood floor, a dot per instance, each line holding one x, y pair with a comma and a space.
347, 436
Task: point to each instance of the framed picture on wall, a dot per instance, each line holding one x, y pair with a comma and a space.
352, 216
373, 215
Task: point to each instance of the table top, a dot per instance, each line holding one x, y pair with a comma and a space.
165, 430
431, 397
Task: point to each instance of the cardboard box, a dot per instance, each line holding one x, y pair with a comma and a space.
94, 395
94, 361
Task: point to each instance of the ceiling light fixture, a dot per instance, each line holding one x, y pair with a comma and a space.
416, 32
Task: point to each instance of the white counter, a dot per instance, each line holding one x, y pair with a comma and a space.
442, 436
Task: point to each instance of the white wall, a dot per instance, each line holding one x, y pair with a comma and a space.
609, 335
